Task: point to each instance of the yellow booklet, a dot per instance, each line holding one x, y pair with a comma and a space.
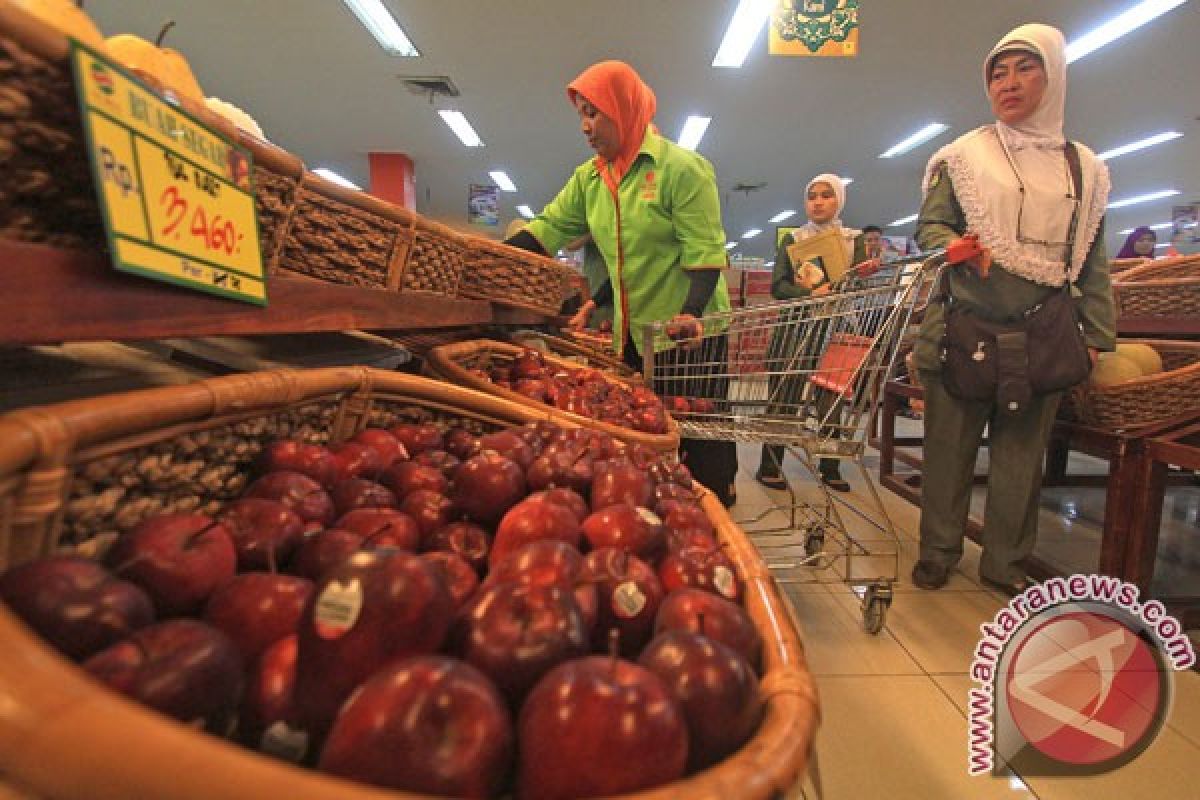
826, 251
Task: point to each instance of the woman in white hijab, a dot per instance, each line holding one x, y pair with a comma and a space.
1011, 184
824, 200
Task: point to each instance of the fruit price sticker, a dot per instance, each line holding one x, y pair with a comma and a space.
177, 198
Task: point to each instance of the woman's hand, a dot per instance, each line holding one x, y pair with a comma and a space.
866, 269
686, 331
1094, 355
580, 320
821, 290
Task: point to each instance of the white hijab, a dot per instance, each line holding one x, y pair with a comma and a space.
810, 228
984, 166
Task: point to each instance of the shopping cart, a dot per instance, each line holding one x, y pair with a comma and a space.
807, 375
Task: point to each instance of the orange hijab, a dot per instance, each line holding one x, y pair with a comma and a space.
621, 95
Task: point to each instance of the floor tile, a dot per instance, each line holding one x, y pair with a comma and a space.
836, 644
940, 629
1184, 716
897, 737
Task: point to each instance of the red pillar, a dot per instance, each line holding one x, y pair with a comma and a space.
393, 178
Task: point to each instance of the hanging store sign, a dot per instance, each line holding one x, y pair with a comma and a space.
177, 198
814, 28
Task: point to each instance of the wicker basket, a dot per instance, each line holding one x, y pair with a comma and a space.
344, 236
453, 362
434, 262
513, 276
1142, 401
62, 736
575, 349
1166, 287
1117, 265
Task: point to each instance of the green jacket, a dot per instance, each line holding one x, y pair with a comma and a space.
667, 221
596, 273
1003, 295
783, 282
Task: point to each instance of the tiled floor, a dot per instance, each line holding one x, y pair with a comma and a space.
894, 705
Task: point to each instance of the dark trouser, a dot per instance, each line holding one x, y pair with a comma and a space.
712, 463
1016, 447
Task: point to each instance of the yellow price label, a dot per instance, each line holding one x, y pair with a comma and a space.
177, 197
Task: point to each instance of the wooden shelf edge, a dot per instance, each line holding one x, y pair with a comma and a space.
56, 295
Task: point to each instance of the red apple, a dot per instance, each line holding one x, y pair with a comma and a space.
700, 568
382, 527
510, 445
465, 539
682, 538
291, 456
430, 510
550, 562
459, 576
369, 610
672, 491
357, 460
354, 493
638, 530
182, 668
514, 633
269, 702
629, 597
702, 405
533, 519
381, 440
265, 533
703, 612
678, 405
461, 443
621, 482
595, 727
488, 485
650, 420
533, 388
715, 687
407, 477
678, 515
429, 725
440, 460
419, 438
179, 559
298, 492
570, 466
257, 609
644, 397
74, 603
566, 497
325, 550
527, 364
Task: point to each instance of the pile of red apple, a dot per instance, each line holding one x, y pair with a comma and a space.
583, 391
689, 405
538, 610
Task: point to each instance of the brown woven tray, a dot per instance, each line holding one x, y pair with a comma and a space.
514, 277
434, 262
62, 736
344, 236
1142, 401
1165, 287
575, 349
447, 362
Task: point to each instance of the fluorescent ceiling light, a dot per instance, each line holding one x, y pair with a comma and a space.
383, 26
750, 234
903, 221
503, 181
693, 132
749, 19
1162, 226
769, 264
462, 128
1133, 147
1144, 198
930, 131
1118, 26
847, 181
1163, 244
782, 215
330, 175
730, 245
525, 211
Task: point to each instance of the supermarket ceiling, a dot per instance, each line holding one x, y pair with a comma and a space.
322, 88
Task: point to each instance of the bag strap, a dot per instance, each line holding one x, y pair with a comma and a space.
1076, 169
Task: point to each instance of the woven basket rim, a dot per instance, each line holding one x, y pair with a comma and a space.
1144, 275
443, 361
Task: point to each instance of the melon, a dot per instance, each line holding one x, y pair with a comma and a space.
235, 115
1145, 356
1112, 369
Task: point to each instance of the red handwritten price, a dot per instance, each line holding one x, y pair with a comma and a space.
217, 235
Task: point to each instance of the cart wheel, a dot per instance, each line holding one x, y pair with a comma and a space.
814, 543
875, 603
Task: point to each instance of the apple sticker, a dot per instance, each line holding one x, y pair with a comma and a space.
285, 742
628, 600
723, 580
338, 608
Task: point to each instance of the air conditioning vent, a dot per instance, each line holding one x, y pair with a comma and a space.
430, 85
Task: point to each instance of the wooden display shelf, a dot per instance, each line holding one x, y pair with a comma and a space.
55, 295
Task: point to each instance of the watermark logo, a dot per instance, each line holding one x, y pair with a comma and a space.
1074, 678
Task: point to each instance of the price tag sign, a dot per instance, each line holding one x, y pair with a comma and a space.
177, 198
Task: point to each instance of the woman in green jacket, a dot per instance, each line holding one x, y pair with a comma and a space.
654, 213
1011, 184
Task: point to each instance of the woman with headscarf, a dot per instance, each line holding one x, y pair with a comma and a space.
824, 200
1140, 244
1013, 185
654, 214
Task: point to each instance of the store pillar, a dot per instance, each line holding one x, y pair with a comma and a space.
393, 178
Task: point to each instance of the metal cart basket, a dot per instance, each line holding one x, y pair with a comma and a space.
806, 375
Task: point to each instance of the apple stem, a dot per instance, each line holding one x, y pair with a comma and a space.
163, 33
272, 566
700, 623
373, 534
614, 647
191, 539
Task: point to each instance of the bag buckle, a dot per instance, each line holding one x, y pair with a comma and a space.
979, 354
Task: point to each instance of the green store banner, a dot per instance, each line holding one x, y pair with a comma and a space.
814, 28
